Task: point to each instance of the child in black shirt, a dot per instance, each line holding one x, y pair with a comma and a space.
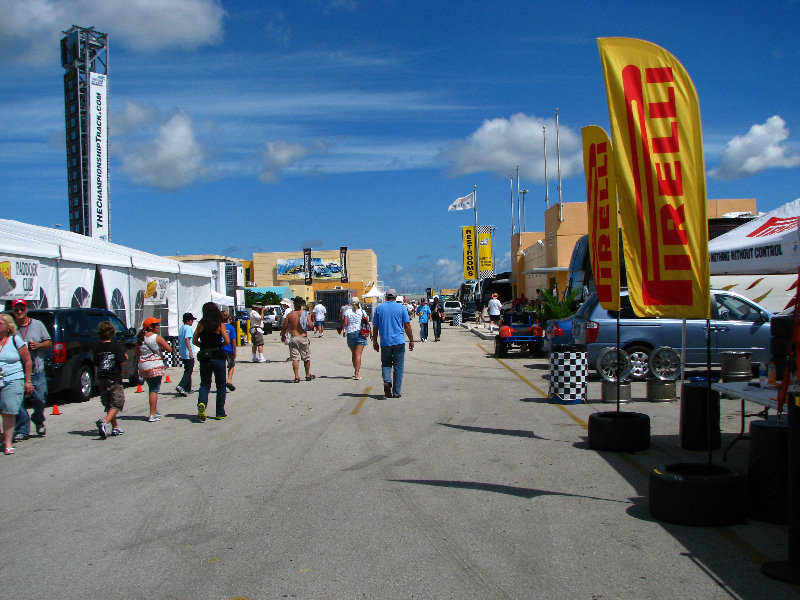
109, 360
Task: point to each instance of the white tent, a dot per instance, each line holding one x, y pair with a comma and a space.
67, 269
769, 244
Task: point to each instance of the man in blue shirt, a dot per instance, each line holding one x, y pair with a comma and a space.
186, 352
391, 324
424, 312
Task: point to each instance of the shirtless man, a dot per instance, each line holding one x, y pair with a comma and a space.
294, 329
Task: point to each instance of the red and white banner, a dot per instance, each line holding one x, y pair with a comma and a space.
658, 154
601, 200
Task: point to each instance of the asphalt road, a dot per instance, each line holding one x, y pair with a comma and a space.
471, 485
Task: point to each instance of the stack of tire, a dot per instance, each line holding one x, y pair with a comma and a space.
781, 330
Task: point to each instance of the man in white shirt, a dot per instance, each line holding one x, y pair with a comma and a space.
257, 332
319, 318
493, 308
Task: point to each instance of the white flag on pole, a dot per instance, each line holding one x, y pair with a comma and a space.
463, 203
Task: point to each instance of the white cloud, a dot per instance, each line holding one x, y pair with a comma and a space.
134, 117
172, 160
278, 30
30, 31
279, 155
499, 145
757, 150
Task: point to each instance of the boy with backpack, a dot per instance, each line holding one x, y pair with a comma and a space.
109, 360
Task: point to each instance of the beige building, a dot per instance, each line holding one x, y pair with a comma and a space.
541, 260
362, 271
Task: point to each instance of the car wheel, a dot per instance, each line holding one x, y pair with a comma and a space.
665, 363
607, 363
83, 384
640, 367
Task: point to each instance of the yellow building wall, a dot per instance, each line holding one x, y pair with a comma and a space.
362, 271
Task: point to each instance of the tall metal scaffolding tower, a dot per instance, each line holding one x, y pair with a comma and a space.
84, 57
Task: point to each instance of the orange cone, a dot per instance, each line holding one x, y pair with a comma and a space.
139, 388
55, 410
168, 380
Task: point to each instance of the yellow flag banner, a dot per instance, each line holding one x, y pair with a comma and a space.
658, 155
601, 200
485, 249
470, 255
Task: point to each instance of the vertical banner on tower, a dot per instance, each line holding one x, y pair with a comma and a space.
343, 263
470, 255
307, 268
658, 154
485, 260
601, 200
98, 156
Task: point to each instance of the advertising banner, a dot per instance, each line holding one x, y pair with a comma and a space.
98, 157
658, 155
294, 269
22, 275
485, 259
601, 201
470, 256
155, 290
343, 263
307, 266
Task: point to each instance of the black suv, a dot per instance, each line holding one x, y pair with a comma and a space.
68, 365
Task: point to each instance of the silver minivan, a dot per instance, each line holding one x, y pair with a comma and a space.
737, 324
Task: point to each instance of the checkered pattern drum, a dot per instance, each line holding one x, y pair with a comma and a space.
457, 320
568, 374
173, 359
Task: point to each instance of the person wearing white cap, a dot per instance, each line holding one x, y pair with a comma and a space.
389, 324
356, 328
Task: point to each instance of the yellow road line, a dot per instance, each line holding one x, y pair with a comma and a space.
361, 401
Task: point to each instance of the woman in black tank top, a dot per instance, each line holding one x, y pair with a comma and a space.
210, 336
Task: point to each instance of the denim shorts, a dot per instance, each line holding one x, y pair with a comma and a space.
154, 383
354, 339
11, 395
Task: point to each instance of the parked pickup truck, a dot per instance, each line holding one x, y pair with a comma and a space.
519, 330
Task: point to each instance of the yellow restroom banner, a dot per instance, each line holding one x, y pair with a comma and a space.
658, 154
470, 255
601, 200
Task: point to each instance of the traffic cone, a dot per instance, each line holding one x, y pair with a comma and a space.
55, 410
168, 380
139, 388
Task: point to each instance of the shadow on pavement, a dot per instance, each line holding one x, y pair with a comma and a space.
513, 432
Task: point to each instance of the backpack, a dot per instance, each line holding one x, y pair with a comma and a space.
364, 326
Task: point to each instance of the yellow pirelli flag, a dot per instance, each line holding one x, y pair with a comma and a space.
470, 253
601, 200
658, 154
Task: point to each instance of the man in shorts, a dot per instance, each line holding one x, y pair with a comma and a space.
294, 330
109, 362
319, 318
257, 332
38, 339
494, 308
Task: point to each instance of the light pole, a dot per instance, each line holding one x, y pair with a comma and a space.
524, 218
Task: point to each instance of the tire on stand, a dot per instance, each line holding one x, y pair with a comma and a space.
619, 431
640, 357
698, 494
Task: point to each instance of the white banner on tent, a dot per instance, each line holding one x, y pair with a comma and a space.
769, 244
155, 291
22, 275
75, 284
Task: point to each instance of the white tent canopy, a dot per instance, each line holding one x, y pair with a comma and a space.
374, 292
766, 245
69, 266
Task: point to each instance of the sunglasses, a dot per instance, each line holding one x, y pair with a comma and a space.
20, 309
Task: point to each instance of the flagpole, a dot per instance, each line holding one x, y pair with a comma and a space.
511, 196
477, 245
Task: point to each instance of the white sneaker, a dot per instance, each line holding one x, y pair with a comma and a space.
154, 417
262, 359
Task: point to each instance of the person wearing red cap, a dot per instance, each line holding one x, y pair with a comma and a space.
35, 335
150, 362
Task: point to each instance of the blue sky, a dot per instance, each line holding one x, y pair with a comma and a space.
238, 127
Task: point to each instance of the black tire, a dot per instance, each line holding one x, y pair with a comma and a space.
640, 361
619, 431
698, 494
84, 381
500, 349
